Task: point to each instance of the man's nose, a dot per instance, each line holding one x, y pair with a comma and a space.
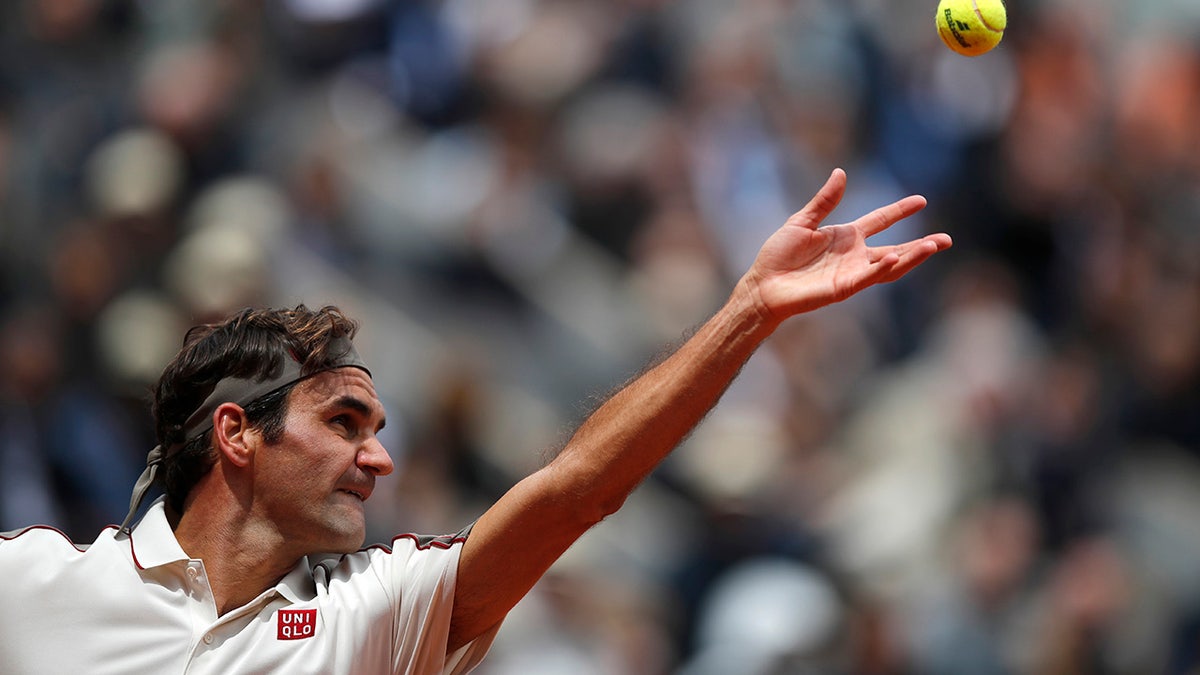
375, 458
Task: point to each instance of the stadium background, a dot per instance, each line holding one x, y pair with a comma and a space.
988, 467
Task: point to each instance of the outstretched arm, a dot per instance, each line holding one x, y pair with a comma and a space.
800, 267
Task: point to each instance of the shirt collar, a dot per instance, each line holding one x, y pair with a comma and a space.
155, 544
297, 585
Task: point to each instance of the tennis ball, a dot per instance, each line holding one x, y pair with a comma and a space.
971, 27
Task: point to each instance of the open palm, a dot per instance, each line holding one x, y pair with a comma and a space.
803, 266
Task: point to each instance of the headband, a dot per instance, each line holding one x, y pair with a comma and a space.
242, 391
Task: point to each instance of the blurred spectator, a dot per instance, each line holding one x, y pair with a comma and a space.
31, 369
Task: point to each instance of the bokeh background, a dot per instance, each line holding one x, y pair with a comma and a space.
988, 467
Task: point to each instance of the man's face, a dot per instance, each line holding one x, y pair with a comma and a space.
311, 484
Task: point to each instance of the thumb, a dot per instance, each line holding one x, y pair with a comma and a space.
823, 203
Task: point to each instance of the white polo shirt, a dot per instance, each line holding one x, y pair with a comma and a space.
140, 605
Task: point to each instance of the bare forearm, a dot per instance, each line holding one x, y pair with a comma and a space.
609, 455
628, 436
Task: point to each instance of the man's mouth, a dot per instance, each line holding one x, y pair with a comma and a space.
361, 495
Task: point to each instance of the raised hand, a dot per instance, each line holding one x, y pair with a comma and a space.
803, 266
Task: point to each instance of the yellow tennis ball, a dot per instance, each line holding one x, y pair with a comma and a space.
971, 27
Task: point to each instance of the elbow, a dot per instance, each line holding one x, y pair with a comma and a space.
585, 499
589, 510
607, 506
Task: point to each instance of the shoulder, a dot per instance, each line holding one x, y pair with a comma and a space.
404, 560
409, 546
423, 542
410, 543
45, 555
44, 537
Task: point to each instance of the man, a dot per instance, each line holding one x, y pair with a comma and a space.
267, 426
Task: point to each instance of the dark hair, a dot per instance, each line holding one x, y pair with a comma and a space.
253, 343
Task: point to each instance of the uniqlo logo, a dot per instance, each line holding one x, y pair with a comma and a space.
296, 624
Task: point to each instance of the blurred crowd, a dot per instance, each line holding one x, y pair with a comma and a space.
989, 467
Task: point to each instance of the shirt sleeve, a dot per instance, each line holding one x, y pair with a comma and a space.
424, 575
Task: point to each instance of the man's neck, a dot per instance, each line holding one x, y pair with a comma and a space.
242, 558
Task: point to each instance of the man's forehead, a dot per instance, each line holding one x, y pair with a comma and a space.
334, 384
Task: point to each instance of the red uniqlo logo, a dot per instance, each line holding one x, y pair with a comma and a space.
296, 624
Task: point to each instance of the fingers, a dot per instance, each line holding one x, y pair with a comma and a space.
823, 203
830, 195
885, 216
896, 261
939, 242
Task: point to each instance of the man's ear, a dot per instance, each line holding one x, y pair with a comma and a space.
232, 436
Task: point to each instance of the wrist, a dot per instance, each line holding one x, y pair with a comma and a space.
748, 310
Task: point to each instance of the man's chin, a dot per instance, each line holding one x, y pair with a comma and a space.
342, 545
346, 536
352, 541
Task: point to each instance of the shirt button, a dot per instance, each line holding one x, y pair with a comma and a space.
192, 573
208, 638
